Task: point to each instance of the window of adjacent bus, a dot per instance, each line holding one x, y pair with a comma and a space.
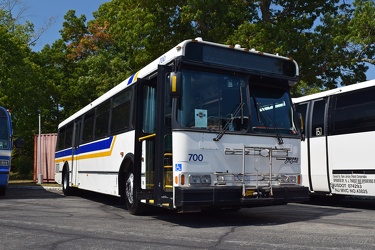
354, 112
302, 109
121, 111
317, 120
271, 110
211, 100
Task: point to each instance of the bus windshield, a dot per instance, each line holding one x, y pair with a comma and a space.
271, 111
219, 102
4, 132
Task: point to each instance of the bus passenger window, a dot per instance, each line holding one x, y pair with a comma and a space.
102, 118
69, 136
61, 138
88, 126
121, 111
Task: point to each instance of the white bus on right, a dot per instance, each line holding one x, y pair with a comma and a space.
338, 155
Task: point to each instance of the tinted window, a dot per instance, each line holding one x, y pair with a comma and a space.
69, 136
121, 104
102, 119
302, 109
4, 128
88, 126
317, 123
61, 138
354, 112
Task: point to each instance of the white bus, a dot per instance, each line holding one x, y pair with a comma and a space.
203, 126
336, 156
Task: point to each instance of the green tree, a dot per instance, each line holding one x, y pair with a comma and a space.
127, 34
361, 35
22, 86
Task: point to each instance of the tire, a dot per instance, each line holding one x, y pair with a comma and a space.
133, 205
67, 190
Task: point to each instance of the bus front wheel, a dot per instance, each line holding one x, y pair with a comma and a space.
133, 205
67, 190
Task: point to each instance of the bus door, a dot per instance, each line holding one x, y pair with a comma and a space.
75, 151
318, 155
163, 151
153, 154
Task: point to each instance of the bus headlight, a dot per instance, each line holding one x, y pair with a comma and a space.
292, 179
221, 179
199, 179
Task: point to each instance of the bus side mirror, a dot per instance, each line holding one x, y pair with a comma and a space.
19, 143
300, 125
175, 84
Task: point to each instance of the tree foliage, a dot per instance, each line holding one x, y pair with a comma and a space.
333, 42
22, 86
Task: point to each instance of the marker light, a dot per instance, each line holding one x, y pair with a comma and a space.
182, 179
174, 84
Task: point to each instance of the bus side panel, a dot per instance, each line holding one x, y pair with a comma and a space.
351, 171
58, 172
98, 169
318, 146
61, 158
318, 163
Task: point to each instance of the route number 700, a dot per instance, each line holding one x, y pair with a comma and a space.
195, 157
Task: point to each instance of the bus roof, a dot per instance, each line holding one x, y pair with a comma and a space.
335, 91
166, 58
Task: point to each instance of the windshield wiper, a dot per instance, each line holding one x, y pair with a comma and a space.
263, 120
233, 116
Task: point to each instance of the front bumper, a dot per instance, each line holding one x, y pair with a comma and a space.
192, 199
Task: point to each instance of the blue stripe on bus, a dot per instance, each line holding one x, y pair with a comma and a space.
131, 79
92, 147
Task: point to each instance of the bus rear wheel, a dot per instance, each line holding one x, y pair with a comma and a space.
133, 205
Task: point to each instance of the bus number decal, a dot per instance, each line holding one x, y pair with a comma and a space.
195, 157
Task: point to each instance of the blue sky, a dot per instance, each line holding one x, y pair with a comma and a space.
39, 11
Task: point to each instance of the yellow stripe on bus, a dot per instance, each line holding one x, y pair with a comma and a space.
89, 156
135, 77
